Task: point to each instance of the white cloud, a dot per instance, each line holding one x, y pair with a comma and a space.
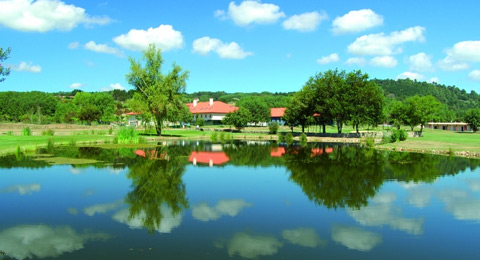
461, 204
22, 189
468, 51
384, 61
329, 59
249, 246
230, 50
411, 75
305, 237
249, 12
356, 61
474, 75
44, 15
76, 85
73, 45
103, 48
305, 22
114, 86
382, 45
420, 197
384, 212
102, 208
420, 62
164, 37
231, 208
450, 64
356, 21
356, 238
28, 67
434, 80
41, 241
167, 224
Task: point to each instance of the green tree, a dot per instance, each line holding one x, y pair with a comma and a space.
397, 113
472, 116
259, 110
299, 111
162, 94
238, 119
420, 110
3, 70
89, 113
368, 100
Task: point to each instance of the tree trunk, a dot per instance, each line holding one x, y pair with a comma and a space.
339, 127
421, 128
324, 129
356, 127
158, 125
303, 128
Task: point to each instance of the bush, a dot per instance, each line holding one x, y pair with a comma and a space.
200, 122
280, 138
26, 131
127, 135
369, 141
273, 128
48, 132
303, 139
402, 135
9, 133
394, 136
289, 138
214, 137
110, 131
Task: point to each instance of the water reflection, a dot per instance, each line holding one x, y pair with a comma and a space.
29, 241
157, 184
204, 212
306, 237
252, 246
356, 238
27, 189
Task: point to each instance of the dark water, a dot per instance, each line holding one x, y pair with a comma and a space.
238, 201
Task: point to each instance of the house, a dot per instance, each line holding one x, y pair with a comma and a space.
452, 126
276, 115
212, 111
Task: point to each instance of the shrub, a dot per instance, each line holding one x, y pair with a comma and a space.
72, 142
110, 131
9, 133
394, 136
48, 132
303, 139
214, 137
200, 122
127, 135
26, 131
402, 135
50, 145
369, 141
280, 138
273, 128
289, 138
222, 137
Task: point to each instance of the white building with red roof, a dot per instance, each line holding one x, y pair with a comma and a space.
211, 111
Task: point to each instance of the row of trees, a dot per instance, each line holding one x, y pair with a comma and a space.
336, 96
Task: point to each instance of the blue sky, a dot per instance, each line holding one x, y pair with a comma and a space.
238, 46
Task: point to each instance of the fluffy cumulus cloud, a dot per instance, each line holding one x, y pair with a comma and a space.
169, 221
163, 36
305, 22
231, 208
384, 61
329, 59
306, 237
420, 197
420, 62
381, 45
27, 189
474, 75
250, 12
411, 75
45, 15
27, 67
103, 48
249, 246
230, 50
383, 212
460, 55
462, 204
356, 21
358, 61
356, 238
76, 85
102, 208
40, 241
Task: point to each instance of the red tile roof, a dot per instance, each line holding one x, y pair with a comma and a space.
217, 107
277, 112
211, 158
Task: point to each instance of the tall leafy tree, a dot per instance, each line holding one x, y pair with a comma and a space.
238, 119
162, 94
367, 97
472, 116
258, 108
420, 110
299, 111
3, 70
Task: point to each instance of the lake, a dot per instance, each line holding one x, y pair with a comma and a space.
239, 200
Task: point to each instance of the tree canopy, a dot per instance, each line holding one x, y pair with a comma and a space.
161, 94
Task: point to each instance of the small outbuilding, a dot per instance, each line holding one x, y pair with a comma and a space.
452, 126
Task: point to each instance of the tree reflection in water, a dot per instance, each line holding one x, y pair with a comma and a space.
156, 182
347, 176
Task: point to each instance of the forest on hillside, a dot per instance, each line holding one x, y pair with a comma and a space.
105, 107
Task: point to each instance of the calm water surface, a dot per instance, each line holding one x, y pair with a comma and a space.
238, 201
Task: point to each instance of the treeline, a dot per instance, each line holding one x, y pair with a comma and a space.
277, 99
